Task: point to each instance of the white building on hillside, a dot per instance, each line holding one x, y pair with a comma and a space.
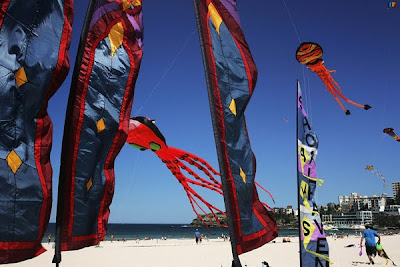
355, 202
396, 188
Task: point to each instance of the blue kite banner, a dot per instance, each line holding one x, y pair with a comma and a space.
97, 120
34, 42
231, 78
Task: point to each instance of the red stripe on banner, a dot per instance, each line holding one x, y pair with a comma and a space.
3, 10
63, 65
19, 251
18, 245
239, 249
38, 155
247, 238
249, 78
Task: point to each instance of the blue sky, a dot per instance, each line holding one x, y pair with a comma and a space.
361, 41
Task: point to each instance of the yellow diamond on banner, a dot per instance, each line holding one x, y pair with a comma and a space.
232, 106
100, 125
126, 4
308, 231
20, 77
116, 36
243, 175
89, 184
14, 161
215, 17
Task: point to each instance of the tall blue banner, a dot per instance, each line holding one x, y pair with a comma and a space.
34, 42
231, 79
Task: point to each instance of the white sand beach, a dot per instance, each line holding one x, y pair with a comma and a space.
215, 252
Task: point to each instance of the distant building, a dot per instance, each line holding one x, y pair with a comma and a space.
295, 212
350, 219
327, 218
289, 210
279, 210
396, 188
355, 202
392, 210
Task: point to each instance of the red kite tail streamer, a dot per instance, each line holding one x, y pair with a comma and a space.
332, 86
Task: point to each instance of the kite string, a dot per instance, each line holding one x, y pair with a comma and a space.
292, 21
166, 71
307, 94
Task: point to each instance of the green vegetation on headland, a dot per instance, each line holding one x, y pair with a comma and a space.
206, 218
284, 221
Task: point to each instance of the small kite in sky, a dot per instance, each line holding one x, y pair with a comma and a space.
310, 54
374, 171
391, 133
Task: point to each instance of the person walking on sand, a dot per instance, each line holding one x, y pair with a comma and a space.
370, 244
197, 236
49, 237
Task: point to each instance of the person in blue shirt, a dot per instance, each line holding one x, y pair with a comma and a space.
370, 244
197, 236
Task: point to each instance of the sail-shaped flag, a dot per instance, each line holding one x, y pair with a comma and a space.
97, 120
314, 250
231, 78
34, 41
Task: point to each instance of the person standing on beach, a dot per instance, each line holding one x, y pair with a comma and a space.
49, 237
370, 244
197, 236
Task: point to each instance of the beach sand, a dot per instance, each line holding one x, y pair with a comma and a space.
215, 252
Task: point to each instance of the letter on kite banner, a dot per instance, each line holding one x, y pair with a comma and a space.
34, 42
231, 77
314, 247
97, 119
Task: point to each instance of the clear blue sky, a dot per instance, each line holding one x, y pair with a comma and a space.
361, 40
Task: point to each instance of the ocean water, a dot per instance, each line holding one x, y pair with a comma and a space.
174, 231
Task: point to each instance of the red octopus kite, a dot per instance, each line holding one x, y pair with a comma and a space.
143, 134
